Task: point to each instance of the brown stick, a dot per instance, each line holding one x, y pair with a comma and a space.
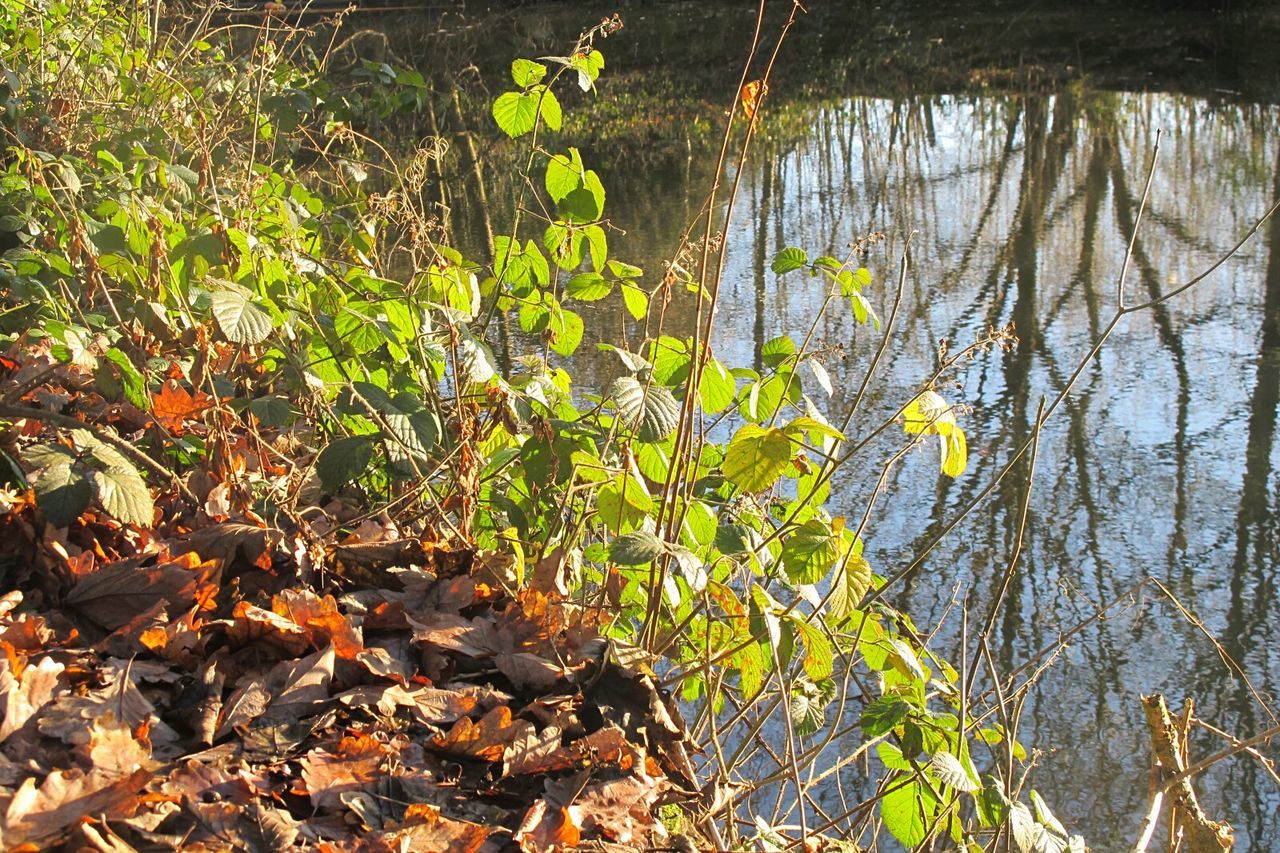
1202, 834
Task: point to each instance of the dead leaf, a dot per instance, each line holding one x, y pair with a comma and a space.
487, 740
40, 814
291, 690
320, 618
116, 594
355, 763
173, 406
434, 832
620, 810
751, 94
113, 749
230, 539
474, 638
24, 698
545, 829
256, 626
535, 752
528, 672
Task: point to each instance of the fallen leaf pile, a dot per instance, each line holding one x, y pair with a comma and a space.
213, 682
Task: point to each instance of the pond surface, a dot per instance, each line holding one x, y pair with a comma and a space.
1163, 460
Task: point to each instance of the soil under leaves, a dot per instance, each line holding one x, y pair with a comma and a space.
213, 681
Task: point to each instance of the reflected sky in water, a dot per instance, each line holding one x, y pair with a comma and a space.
1162, 461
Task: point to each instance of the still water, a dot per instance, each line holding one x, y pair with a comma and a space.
1163, 460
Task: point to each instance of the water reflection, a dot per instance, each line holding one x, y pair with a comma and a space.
1162, 462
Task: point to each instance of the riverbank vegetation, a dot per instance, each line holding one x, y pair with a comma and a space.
310, 537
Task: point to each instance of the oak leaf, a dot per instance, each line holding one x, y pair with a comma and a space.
487, 740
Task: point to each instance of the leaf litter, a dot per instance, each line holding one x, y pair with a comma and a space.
212, 682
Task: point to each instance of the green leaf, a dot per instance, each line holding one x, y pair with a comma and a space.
670, 357
883, 715
908, 811
821, 375
635, 300
564, 174
272, 411
564, 244
588, 286
635, 548
123, 493
586, 203
549, 109
993, 805
598, 243
588, 67
1056, 831
928, 414
756, 457
905, 660
566, 332
63, 492
1023, 827
630, 360
343, 460
239, 318
717, 387
955, 453
699, 521
789, 259
764, 620
810, 551
48, 455
516, 113
776, 351
650, 409
477, 360
526, 72
623, 503
653, 460
808, 705
409, 424
133, 382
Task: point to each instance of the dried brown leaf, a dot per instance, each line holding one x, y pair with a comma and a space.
24, 697
354, 764
40, 814
116, 594
547, 829
487, 740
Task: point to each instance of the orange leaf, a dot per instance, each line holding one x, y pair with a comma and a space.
751, 95
174, 405
321, 619
487, 740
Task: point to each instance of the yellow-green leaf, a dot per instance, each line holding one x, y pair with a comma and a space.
756, 457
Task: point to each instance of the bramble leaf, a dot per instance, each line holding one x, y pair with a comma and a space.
789, 259
635, 548
239, 318
650, 409
810, 551
756, 457
516, 113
